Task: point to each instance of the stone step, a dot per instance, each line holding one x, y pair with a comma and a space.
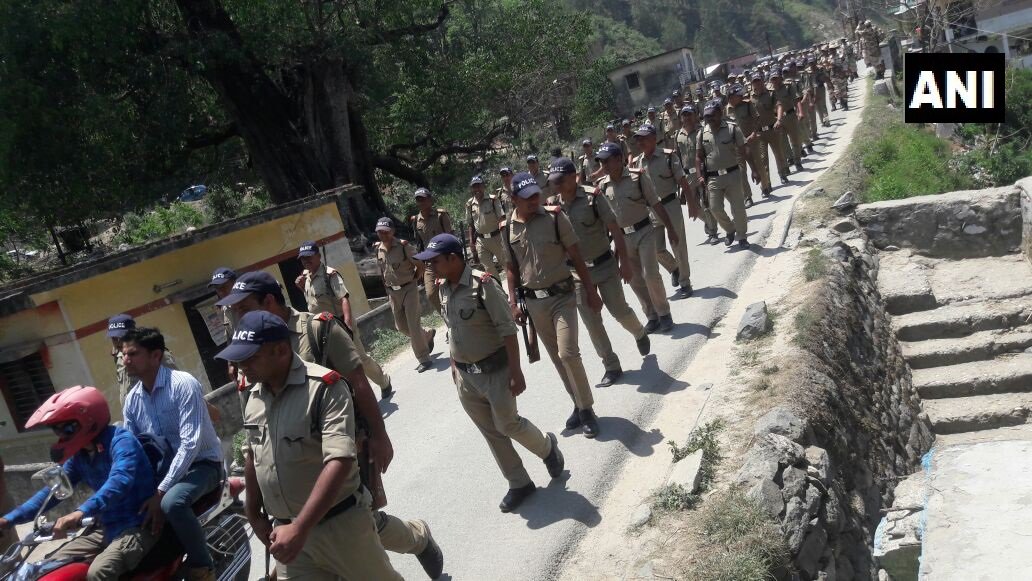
976, 347
1019, 432
978, 412
961, 320
1005, 374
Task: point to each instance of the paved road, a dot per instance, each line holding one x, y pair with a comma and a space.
444, 473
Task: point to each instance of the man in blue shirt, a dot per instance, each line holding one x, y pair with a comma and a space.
168, 405
111, 461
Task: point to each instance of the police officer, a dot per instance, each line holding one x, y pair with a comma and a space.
789, 113
594, 223
668, 178
799, 85
766, 106
629, 141
429, 222
118, 326
534, 168
504, 193
742, 112
687, 143
820, 94
401, 273
486, 367
302, 464
721, 149
318, 339
222, 280
671, 125
632, 195
325, 292
541, 243
484, 215
590, 170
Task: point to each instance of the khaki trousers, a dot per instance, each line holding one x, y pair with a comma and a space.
811, 120
371, 368
790, 124
679, 259
406, 309
771, 138
822, 103
555, 320
728, 187
646, 281
757, 163
400, 536
804, 126
110, 561
610, 287
491, 249
433, 294
344, 547
492, 407
709, 223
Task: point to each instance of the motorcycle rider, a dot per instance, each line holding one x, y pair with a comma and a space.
111, 461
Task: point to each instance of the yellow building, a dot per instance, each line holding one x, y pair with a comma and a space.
53, 326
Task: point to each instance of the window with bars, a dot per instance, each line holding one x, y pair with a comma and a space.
25, 384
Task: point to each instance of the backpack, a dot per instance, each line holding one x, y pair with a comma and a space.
158, 454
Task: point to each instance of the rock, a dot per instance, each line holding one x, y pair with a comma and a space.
758, 468
891, 248
787, 452
688, 472
813, 500
881, 88
793, 483
783, 421
844, 225
845, 203
838, 252
813, 547
831, 513
755, 322
642, 515
766, 457
768, 496
819, 461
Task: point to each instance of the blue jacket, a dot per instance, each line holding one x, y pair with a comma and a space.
119, 473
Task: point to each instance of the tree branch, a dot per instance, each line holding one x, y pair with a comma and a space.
483, 145
396, 167
386, 36
217, 137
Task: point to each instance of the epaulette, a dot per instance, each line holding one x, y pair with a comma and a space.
636, 171
481, 276
668, 151
324, 316
330, 377
553, 209
442, 211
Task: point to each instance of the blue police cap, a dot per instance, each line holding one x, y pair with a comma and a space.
258, 281
560, 167
441, 244
221, 276
119, 325
607, 150
524, 185
252, 331
309, 248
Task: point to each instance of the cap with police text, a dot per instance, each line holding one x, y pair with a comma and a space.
119, 325
626, 123
384, 224
757, 76
736, 89
221, 276
607, 150
651, 110
505, 171
476, 180
441, 244
252, 331
610, 127
524, 185
309, 248
258, 281
561, 167
532, 158
668, 101
711, 107
423, 193
687, 109
645, 130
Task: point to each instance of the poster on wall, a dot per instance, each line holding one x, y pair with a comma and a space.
213, 318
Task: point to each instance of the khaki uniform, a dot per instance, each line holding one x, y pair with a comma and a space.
786, 96
399, 271
821, 94
664, 167
630, 147
809, 86
632, 196
747, 118
505, 197
478, 318
687, 143
588, 166
766, 106
126, 381
288, 459
720, 153
426, 228
324, 290
485, 216
542, 181
799, 84
540, 254
590, 214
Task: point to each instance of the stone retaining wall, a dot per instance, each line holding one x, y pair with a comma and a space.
827, 465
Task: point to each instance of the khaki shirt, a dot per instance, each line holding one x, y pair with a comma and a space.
287, 458
588, 166
542, 181
630, 146
670, 131
540, 255
630, 197
477, 327
787, 97
721, 150
427, 228
341, 355
766, 106
505, 197
229, 320
397, 265
485, 214
687, 142
664, 167
589, 214
745, 116
324, 290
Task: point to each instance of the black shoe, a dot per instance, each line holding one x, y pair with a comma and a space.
424, 366
749, 202
515, 497
684, 292
610, 377
430, 342
765, 193
674, 276
811, 148
712, 239
644, 344
784, 178
555, 462
666, 323
589, 423
803, 153
573, 422
743, 244
799, 167
387, 392
730, 239
651, 326
431, 558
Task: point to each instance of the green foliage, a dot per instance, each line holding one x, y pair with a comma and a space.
225, 203
743, 542
815, 266
908, 161
594, 102
673, 497
238, 441
804, 321
159, 223
1000, 154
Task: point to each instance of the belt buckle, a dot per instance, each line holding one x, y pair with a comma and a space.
395, 288
589, 263
541, 293
474, 369
628, 230
486, 236
691, 170
721, 172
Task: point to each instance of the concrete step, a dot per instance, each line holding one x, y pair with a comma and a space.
1019, 432
1005, 374
978, 412
961, 320
976, 347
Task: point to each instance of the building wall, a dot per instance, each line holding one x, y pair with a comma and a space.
72, 319
657, 77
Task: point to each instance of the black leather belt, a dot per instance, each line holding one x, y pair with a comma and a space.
637, 226
493, 362
668, 198
560, 288
395, 287
334, 510
720, 172
766, 127
601, 259
489, 234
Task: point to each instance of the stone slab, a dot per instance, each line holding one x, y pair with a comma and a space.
980, 412
976, 347
962, 319
688, 472
1007, 373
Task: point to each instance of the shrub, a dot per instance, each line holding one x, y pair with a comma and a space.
159, 223
816, 265
225, 203
908, 161
745, 543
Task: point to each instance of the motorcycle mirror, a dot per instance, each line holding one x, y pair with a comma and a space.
56, 479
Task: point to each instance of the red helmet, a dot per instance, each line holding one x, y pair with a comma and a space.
82, 404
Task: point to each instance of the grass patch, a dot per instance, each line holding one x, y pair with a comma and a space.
744, 543
674, 497
909, 161
770, 369
386, 343
761, 384
815, 266
804, 321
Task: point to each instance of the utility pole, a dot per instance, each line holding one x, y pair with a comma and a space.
770, 50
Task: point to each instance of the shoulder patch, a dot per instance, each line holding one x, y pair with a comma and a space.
324, 316
331, 377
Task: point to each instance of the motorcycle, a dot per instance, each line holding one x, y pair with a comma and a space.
227, 533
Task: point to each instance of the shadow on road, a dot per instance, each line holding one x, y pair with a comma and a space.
712, 292
637, 441
555, 503
650, 378
387, 408
762, 216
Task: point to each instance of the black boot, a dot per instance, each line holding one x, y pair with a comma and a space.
573, 422
555, 462
515, 497
644, 344
674, 276
589, 423
431, 558
609, 378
